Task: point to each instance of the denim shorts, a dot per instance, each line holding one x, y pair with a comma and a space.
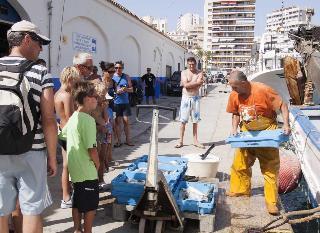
24, 177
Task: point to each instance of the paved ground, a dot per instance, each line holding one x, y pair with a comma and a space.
233, 215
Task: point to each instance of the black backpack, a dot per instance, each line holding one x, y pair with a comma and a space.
18, 113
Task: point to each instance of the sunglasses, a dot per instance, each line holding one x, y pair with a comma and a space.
118, 68
34, 37
111, 71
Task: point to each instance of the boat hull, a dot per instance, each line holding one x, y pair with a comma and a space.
304, 122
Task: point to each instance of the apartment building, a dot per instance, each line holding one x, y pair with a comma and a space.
275, 42
160, 24
188, 21
192, 40
286, 19
229, 32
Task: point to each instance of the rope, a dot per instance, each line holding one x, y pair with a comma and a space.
314, 214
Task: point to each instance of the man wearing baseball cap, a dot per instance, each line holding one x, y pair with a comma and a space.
23, 177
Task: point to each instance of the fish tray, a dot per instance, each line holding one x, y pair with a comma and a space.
164, 163
121, 184
130, 192
189, 204
264, 138
128, 187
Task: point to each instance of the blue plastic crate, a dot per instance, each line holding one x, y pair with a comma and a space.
165, 167
264, 138
172, 178
121, 188
121, 184
129, 193
126, 200
178, 162
191, 205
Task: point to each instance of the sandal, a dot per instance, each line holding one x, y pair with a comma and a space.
179, 145
199, 146
129, 144
116, 145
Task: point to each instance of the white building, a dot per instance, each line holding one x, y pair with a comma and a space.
191, 40
160, 24
286, 19
196, 36
275, 43
229, 32
188, 21
102, 27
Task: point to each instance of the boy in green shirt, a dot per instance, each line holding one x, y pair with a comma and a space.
83, 160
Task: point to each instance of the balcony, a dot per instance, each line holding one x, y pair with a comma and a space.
232, 13
238, 9
239, 4
234, 17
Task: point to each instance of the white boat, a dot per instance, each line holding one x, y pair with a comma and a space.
273, 78
305, 125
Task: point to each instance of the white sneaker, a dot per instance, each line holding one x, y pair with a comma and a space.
104, 187
115, 163
66, 204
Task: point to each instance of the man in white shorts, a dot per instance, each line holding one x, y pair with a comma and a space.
191, 81
23, 176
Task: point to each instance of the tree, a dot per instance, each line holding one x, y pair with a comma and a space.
199, 52
207, 57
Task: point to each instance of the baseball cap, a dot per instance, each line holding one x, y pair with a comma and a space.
26, 26
108, 97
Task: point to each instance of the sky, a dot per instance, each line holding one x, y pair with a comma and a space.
172, 9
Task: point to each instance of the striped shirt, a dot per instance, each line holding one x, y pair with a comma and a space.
39, 80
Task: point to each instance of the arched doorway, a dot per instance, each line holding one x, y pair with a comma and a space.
131, 56
8, 16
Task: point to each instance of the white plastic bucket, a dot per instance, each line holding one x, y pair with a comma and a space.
202, 168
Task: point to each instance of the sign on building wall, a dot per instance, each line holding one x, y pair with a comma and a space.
84, 43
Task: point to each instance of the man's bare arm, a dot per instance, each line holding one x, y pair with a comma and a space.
235, 124
129, 88
93, 153
49, 126
68, 106
285, 115
191, 84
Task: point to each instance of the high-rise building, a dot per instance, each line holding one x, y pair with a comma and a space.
286, 19
188, 21
275, 42
192, 40
160, 24
229, 32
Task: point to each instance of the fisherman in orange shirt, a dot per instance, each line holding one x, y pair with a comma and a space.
253, 106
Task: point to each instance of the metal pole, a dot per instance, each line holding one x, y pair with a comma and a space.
49, 33
152, 172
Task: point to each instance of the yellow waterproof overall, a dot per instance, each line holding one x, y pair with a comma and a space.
244, 158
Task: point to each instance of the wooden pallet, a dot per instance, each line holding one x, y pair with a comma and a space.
206, 221
122, 212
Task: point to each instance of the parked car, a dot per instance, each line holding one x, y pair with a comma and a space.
173, 84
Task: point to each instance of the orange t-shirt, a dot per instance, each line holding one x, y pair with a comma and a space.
262, 101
